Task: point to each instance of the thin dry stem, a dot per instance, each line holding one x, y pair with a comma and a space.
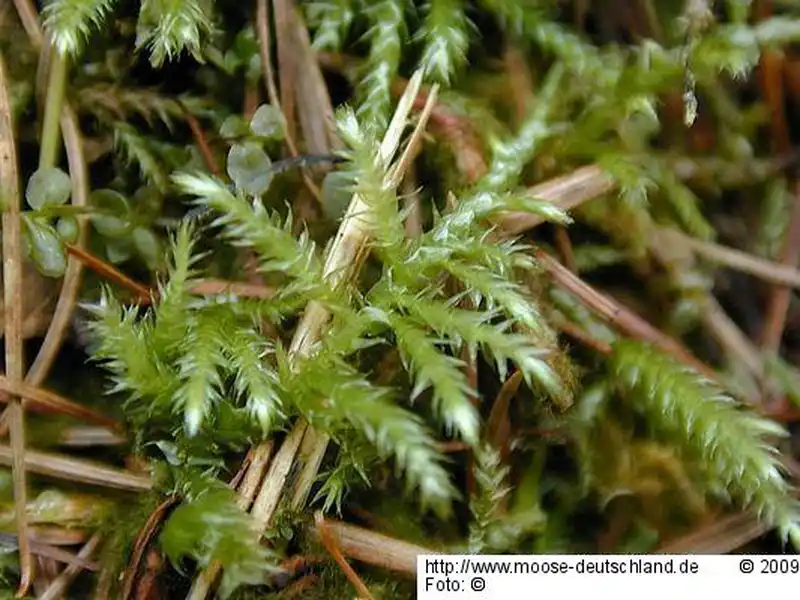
730, 337
214, 287
769, 271
581, 336
498, 425
202, 142
778, 304
315, 112
622, 318
412, 205
110, 272
566, 192
84, 436
376, 549
30, 21
52, 402
62, 556
720, 537
13, 302
311, 453
287, 60
265, 44
75, 470
266, 502
331, 544
63, 581
142, 541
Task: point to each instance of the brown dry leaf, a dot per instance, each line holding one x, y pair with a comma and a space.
39, 301
314, 109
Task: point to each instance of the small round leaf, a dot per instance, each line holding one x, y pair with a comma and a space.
147, 245
268, 122
48, 187
67, 228
112, 221
148, 202
337, 191
44, 247
235, 126
250, 168
119, 250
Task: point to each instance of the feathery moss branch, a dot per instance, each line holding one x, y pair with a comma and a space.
731, 444
69, 22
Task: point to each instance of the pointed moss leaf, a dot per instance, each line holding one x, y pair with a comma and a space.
43, 246
67, 228
250, 168
111, 219
268, 122
147, 245
48, 187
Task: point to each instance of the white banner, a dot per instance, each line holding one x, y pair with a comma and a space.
621, 577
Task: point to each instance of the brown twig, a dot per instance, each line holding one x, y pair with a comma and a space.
617, 315
564, 247
770, 76
265, 45
286, 62
778, 303
778, 274
62, 556
214, 287
771, 68
75, 470
142, 541
13, 303
412, 205
731, 338
110, 272
51, 402
62, 582
579, 335
566, 192
201, 141
56, 536
455, 129
498, 425
328, 539
376, 549
720, 537
315, 112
